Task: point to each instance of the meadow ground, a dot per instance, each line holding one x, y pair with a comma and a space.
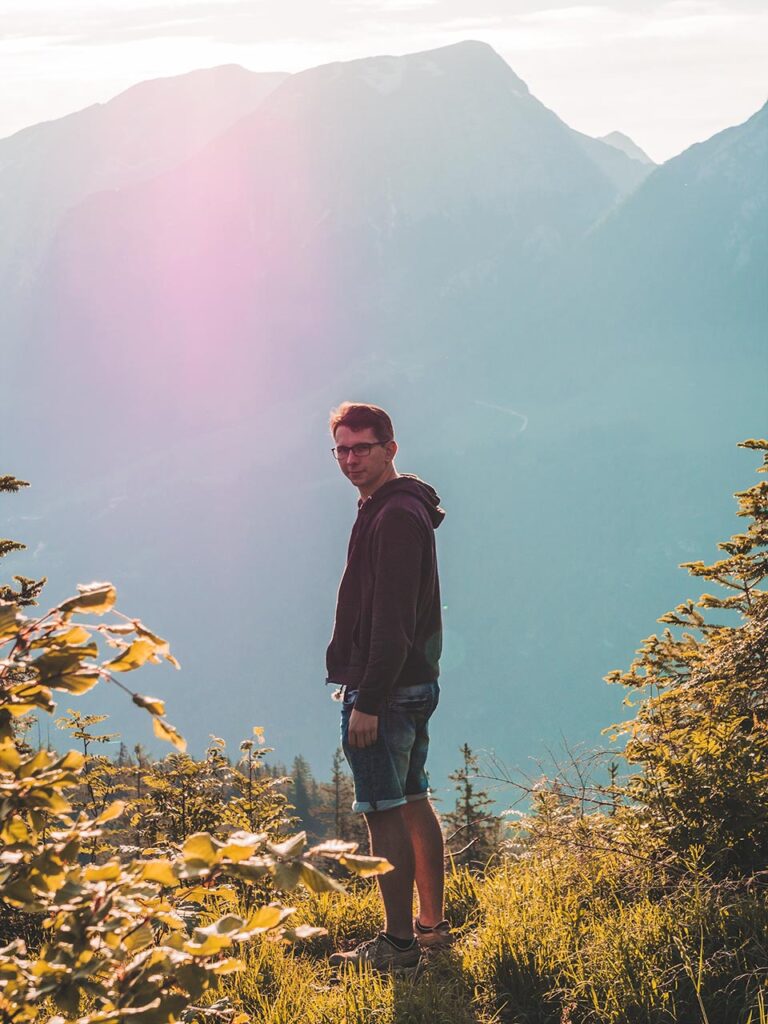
539, 941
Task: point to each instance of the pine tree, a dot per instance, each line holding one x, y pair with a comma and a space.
334, 815
303, 797
473, 830
700, 736
28, 590
340, 787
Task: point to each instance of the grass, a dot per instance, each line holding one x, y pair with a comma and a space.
281, 987
581, 938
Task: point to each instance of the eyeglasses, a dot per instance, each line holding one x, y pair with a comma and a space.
360, 451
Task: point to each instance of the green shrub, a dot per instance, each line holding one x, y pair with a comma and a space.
116, 934
700, 734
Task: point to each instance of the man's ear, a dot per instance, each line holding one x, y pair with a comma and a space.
391, 450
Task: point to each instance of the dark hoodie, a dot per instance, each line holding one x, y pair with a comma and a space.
387, 632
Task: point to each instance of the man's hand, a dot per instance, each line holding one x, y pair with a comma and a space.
363, 729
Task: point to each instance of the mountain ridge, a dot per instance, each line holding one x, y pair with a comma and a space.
46, 169
628, 146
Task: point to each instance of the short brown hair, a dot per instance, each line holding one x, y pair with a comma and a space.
359, 416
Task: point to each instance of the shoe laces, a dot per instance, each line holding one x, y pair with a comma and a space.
370, 944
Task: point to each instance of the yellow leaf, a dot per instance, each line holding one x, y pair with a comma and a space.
172, 660
36, 764
161, 871
139, 939
230, 924
114, 810
153, 705
290, 847
164, 731
94, 598
229, 966
103, 872
251, 870
75, 682
59, 661
254, 839
133, 657
211, 944
20, 699
50, 801
74, 635
10, 759
287, 876
14, 831
316, 881
169, 920
332, 848
10, 621
73, 761
160, 645
237, 851
65, 638
304, 931
266, 918
365, 866
17, 710
200, 846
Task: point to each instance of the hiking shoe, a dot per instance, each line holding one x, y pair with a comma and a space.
439, 936
379, 954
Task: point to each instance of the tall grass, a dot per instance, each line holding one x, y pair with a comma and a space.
594, 937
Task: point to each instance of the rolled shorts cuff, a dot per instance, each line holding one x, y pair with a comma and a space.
386, 805
360, 807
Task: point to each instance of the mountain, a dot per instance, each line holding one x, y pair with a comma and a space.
626, 174
48, 168
351, 192
672, 276
693, 239
625, 145
570, 355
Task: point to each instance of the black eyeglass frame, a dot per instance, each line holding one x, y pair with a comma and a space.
348, 449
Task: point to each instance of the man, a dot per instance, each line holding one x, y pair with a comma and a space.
384, 653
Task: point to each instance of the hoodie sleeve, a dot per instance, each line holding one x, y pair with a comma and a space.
398, 549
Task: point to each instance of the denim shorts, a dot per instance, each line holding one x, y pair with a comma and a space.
392, 771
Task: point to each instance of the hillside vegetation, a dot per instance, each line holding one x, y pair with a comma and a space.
168, 891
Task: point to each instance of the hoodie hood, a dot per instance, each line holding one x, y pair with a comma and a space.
411, 484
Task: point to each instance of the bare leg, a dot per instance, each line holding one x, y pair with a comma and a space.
428, 853
390, 838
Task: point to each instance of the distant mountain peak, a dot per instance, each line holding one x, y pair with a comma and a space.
623, 143
386, 73
474, 48
469, 54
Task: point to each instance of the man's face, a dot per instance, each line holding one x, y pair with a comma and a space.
366, 472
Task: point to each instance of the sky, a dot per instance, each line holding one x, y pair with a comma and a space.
667, 73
